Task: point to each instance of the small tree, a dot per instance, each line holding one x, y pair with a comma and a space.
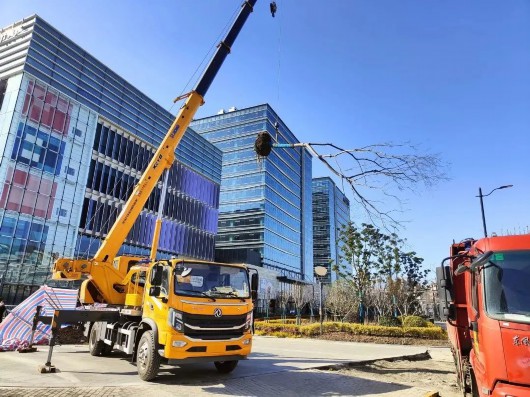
301, 297
340, 300
381, 274
282, 299
361, 249
410, 284
313, 292
378, 298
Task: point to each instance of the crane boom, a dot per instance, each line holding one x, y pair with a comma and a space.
165, 155
106, 271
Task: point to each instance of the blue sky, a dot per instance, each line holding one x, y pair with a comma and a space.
450, 76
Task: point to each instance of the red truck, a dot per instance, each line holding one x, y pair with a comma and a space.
485, 298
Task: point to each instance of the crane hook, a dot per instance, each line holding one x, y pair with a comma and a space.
273, 8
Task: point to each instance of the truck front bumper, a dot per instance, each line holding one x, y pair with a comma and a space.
180, 348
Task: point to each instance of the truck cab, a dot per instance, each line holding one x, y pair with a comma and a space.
485, 297
182, 311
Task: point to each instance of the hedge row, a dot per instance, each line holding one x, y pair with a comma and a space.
292, 330
385, 321
285, 321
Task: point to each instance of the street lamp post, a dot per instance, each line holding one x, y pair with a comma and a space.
480, 195
321, 272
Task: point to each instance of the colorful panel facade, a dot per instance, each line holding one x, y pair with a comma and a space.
42, 178
74, 140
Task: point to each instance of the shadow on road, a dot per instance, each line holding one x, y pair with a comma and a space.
267, 374
263, 374
304, 383
377, 369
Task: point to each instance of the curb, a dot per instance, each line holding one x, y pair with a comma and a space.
411, 357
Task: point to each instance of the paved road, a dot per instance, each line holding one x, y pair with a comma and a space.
277, 367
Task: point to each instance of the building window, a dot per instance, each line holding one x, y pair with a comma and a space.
47, 108
38, 149
61, 212
28, 194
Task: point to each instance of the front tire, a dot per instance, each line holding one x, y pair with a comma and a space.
95, 345
147, 358
225, 367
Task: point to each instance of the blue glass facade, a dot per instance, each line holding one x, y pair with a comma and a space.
264, 206
331, 211
74, 140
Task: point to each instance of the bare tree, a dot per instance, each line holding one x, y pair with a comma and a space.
301, 296
283, 298
384, 167
313, 300
406, 297
379, 299
340, 300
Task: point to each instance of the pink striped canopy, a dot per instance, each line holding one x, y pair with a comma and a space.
16, 327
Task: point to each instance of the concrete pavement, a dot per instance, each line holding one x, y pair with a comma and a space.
276, 367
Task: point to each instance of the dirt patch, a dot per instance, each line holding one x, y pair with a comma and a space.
427, 375
71, 335
347, 337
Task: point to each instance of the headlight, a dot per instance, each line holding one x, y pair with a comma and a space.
175, 319
248, 321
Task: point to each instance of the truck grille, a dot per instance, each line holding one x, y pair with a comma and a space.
204, 327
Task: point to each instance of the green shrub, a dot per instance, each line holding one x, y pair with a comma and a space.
269, 328
414, 321
425, 333
387, 321
284, 321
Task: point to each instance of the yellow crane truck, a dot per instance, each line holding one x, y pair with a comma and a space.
172, 311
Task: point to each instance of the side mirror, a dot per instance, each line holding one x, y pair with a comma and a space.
445, 292
481, 260
156, 276
254, 285
154, 291
254, 282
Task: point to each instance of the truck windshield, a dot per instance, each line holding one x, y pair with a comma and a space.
212, 280
506, 291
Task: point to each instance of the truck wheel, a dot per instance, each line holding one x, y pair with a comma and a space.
225, 367
95, 345
107, 349
147, 358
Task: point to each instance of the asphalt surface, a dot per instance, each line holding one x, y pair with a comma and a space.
276, 367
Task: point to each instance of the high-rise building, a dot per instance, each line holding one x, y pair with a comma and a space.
74, 140
265, 206
331, 211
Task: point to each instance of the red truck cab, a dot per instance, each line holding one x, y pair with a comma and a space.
485, 298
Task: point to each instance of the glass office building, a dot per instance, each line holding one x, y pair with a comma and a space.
331, 211
74, 140
264, 206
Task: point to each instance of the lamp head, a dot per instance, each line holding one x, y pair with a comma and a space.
321, 271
